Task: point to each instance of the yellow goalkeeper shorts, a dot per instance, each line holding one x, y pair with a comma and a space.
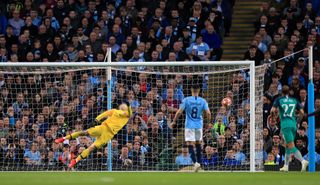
102, 133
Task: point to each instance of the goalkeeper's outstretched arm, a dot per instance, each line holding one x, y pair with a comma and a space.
103, 115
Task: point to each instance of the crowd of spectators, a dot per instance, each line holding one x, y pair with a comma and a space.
284, 31
36, 109
142, 30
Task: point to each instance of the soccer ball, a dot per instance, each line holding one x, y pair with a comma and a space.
226, 102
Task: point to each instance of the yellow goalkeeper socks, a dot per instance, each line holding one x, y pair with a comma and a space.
83, 155
73, 135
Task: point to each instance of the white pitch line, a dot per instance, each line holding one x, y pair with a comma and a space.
107, 179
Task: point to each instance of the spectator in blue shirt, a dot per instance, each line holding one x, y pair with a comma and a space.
200, 48
306, 157
158, 15
3, 23
36, 20
19, 104
137, 58
16, 22
120, 37
32, 157
178, 92
213, 40
239, 156
297, 73
210, 158
230, 160
184, 158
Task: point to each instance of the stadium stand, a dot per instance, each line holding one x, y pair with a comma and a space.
143, 30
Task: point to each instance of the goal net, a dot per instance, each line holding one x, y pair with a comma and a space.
41, 102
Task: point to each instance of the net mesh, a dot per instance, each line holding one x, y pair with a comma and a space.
39, 104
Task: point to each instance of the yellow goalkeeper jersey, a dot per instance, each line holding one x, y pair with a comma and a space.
115, 121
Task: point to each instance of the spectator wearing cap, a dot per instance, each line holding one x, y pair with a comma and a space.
192, 28
303, 67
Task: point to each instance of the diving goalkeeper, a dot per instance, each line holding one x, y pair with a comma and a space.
117, 118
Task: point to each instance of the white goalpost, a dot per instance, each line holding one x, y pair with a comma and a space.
72, 94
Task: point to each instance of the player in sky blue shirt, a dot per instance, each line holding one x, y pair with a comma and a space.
193, 106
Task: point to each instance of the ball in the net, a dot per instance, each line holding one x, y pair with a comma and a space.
226, 102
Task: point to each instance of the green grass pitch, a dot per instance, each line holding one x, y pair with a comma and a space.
157, 178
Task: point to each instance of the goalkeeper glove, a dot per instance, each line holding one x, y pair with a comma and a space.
97, 122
